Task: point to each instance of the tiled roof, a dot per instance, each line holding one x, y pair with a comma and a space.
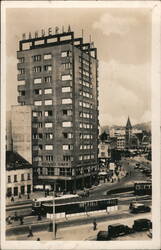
16, 161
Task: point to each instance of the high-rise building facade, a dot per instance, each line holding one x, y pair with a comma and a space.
58, 76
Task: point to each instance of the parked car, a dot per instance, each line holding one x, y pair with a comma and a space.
142, 224
118, 229
139, 208
103, 235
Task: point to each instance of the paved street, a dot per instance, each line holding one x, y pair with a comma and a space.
85, 232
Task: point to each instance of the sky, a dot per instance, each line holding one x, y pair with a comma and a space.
123, 40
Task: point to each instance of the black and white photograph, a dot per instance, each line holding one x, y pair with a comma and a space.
80, 138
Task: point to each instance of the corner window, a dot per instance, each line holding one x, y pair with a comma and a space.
48, 147
37, 103
66, 77
66, 124
37, 80
66, 89
47, 56
67, 101
48, 91
48, 102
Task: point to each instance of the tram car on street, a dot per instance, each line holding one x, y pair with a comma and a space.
143, 188
79, 206
39, 202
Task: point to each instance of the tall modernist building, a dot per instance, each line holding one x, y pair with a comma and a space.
58, 77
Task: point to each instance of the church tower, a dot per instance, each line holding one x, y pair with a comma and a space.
128, 133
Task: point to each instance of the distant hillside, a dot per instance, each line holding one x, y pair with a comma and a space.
146, 126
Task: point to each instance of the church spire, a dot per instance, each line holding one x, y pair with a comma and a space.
128, 124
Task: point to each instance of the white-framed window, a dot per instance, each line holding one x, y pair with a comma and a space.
47, 56
37, 58
66, 124
37, 91
47, 79
67, 101
67, 147
37, 80
22, 82
80, 157
48, 113
37, 69
47, 68
66, 89
37, 103
48, 125
48, 147
48, 91
66, 53
67, 112
66, 77
22, 71
48, 102
49, 136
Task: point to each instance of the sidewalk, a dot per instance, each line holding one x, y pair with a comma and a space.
84, 232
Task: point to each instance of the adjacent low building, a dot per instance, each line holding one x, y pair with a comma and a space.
18, 175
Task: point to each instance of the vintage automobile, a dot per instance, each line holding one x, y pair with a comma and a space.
118, 229
142, 225
139, 208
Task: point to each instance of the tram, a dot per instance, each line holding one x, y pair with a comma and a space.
79, 206
143, 188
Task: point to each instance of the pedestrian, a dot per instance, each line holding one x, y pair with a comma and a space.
21, 220
38, 239
28, 196
39, 217
30, 232
15, 217
12, 199
94, 225
55, 229
9, 220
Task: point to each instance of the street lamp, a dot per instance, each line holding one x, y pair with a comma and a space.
54, 236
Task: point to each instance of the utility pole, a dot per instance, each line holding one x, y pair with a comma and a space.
54, 235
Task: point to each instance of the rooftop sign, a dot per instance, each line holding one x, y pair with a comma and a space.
50, 31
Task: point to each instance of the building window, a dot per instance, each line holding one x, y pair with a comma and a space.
67, 112
67, 135
47, 56
80, 157
22, 82
48, 125
47, 68
37, 114
67, 101
22, 71
47, 79
37, 80
37, 91
66, 89
49, 157
48, 91
65, 53
9, 179
37, 103
49, 136
67, 65
15, 178
37, 69
22, 177
66, 157
66, 124
28, 189
67, 147
21, 60
48, 113
22, 93
48, 147
37, 58
66, 77
48, 102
